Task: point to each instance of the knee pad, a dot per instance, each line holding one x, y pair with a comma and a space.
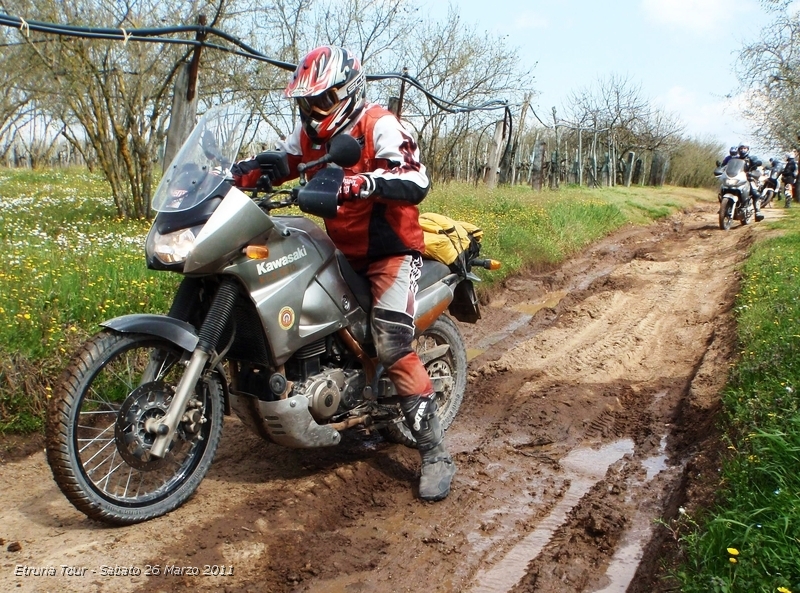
393, 333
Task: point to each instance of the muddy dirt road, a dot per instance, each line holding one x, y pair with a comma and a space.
592, 388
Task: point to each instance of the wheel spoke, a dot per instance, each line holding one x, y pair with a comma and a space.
110, 472
103, 448
96, 438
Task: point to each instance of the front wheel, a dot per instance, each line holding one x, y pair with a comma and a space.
452, 367
99, 429
725, 214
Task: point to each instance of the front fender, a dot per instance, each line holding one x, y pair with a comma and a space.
732, 197
178, 332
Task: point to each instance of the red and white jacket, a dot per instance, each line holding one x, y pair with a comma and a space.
387, 222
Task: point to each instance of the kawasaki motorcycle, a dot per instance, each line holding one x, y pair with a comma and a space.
269, 322
734, 194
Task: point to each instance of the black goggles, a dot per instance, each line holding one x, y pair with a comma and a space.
320, 105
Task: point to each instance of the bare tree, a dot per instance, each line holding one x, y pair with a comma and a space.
769, 69
456, 62
111, 96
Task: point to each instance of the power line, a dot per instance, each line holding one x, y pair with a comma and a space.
161, 35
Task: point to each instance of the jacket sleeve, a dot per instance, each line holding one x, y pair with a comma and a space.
404, 177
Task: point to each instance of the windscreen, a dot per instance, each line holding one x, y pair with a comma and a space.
734, 167
204, 160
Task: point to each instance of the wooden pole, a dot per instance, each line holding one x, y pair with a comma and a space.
493, 161
184, 101
629, 172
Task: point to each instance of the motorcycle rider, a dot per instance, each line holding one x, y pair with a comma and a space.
732, 154
751, 163
789, 175
376, 227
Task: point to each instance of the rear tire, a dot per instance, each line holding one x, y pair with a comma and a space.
97, 444
453, 364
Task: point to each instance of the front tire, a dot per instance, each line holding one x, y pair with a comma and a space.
452, 365
725, 218
97, 442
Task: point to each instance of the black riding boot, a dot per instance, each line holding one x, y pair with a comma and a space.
757, 205
437, 465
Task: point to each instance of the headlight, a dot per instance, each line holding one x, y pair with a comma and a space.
732, 181
174, 248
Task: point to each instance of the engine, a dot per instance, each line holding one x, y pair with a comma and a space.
331, 389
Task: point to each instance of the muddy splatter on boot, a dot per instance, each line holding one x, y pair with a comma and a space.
438, 467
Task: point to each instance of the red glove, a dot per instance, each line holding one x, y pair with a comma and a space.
356, 187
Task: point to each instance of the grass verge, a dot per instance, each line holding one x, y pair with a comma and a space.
750, 540
68, 263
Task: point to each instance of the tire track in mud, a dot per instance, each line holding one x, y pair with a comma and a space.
573, 436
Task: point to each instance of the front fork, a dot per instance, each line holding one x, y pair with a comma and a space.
210, 333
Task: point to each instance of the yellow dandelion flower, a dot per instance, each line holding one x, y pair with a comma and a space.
733, 560
733, 551
783, 590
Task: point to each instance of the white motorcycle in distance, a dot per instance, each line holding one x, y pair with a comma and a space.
770, 183
734, 194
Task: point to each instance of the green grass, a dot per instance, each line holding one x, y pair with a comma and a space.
69, 263
758, 513
526, 229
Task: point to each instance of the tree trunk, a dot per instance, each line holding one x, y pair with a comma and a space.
182, 116
629, 169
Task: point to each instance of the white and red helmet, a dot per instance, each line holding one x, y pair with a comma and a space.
329, 87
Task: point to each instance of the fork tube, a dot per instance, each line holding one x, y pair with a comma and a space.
210, 333
166, 430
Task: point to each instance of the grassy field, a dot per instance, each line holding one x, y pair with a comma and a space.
69, 263
750, 542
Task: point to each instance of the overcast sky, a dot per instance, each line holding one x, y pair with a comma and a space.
681, 52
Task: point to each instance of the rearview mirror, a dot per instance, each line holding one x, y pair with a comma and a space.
344, 150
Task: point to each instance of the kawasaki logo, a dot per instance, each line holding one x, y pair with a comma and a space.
269, 266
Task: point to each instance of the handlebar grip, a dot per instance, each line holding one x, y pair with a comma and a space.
489, 264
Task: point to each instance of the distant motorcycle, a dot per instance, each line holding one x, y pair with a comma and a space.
770, 184
734, 194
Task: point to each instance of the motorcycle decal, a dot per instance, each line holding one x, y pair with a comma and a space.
286, 318
269, 266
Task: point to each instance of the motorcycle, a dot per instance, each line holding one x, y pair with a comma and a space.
734, 194
270, 322
770, 184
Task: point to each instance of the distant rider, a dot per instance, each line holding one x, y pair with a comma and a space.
732, 154
789, 176
751, 163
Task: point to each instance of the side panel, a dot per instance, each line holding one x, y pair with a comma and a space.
293, 289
